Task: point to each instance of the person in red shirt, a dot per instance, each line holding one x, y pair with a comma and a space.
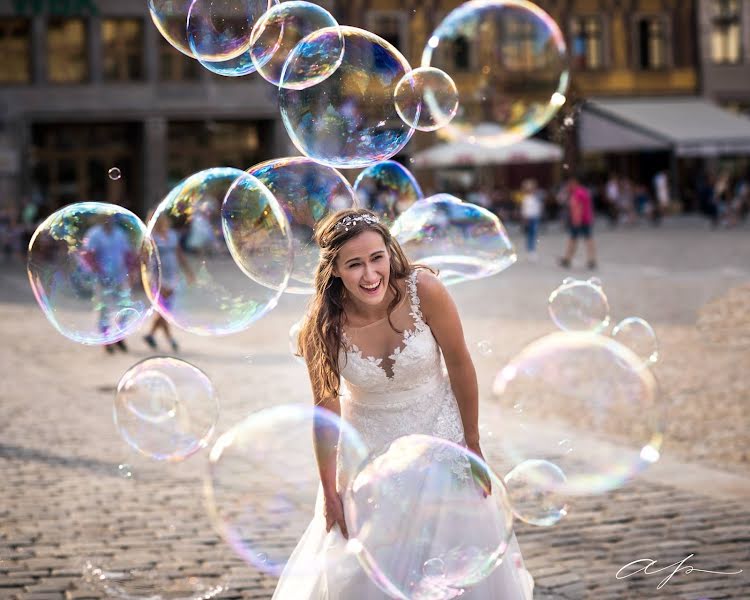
580, 223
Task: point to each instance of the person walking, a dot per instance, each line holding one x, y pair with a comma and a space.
531, 214
580, 223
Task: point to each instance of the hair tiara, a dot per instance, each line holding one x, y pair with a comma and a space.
348, 221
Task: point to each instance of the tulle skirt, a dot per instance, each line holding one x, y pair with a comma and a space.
343, 578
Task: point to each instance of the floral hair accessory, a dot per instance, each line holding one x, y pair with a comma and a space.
348, 222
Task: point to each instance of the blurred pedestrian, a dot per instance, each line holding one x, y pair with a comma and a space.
173, 263
612, 199
580, 223
531, 214
661, 197
108, 254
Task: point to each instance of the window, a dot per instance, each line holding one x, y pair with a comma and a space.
122, 42
66, 50
587, 42
15, 48
726, 34
388, 26
174, 65
521, 46
652, 43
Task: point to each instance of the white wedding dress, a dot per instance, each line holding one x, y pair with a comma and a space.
405, 391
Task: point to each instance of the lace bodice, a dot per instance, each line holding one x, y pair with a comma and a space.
415, 398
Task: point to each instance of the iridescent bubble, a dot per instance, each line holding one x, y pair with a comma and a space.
517, 59
147, 583
278, 32
409, 509
204, 290
585, 403
114, 173
125, 471
83, 266
464, 241
219, 30
307, 192
165, 408
276, 446
638, 336
534, 488
349, 119
257, 232
388, 189
426, 99
170, 18
579, 306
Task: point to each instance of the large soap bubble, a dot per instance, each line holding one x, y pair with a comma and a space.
464, 241
165, 408
637, 335
388, 189
426, 98
307, 192
349, 119
209, 294
219, 30
264, 478
579, 305
278, 32
584, 402
84, 265
509, 60
256, 231
534, 488
423, 520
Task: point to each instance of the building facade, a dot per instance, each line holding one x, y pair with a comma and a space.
724, 27
87, 85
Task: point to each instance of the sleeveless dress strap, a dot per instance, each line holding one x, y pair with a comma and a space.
416, 311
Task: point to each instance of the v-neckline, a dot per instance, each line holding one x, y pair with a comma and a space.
408, 336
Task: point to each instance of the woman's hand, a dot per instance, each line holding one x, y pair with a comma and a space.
479, 471
334, 512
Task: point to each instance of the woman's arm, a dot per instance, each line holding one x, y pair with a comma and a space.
325, 443
441, 315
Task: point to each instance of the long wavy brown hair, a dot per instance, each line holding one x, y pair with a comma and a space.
320, 336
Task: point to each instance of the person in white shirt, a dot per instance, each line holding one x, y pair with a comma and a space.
531, 213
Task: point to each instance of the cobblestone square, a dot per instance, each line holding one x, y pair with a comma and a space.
64, 500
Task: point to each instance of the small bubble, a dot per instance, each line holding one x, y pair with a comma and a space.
485, 348
114, 173
569, 121
125, 471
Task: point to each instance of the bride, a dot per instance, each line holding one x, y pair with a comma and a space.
373, 339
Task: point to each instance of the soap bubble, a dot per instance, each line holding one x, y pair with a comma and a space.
207, 293
638, 336
307, 193
275, 445
114, 173
517, 57
165, 408
170, 18
257, 232
579, 306
387, 188
409, 510
464, 241
348, 120
534, 487
83, 266
485, 348
219, 30
584, 402
144, 583
278, 32
426, 98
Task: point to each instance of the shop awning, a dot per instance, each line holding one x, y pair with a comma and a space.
689, 126
464, 153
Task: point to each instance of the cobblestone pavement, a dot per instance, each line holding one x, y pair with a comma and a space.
64, 501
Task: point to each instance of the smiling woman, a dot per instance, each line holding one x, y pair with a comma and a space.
377, 332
